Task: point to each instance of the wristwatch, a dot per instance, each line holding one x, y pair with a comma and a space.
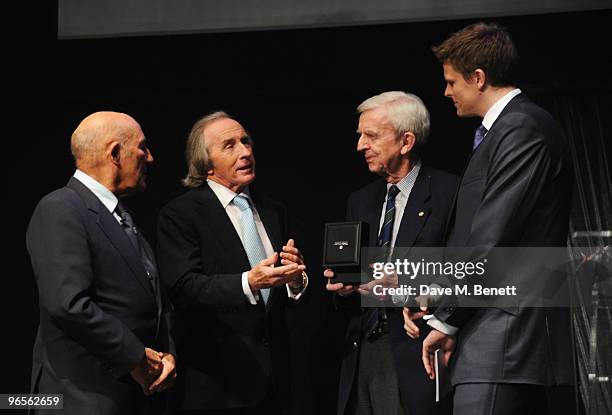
302, 280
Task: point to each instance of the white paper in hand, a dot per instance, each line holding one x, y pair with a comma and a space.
437, 372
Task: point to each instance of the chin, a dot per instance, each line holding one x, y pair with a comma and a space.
248, 179
375, 170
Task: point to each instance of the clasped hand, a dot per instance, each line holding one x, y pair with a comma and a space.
156, 371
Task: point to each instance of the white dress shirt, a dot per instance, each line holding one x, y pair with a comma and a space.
108, 199
226, 196
405, 187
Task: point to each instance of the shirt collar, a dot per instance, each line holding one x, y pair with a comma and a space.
224, 194
497, 108
108, 199
405, 185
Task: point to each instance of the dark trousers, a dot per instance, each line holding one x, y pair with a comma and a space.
499, 399
269, 406
376, 389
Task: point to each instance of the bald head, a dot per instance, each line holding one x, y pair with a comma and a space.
96, 131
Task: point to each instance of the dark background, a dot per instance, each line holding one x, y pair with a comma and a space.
295, 91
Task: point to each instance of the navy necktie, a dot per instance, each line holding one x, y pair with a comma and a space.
252, 241
479, 136
386, 230
127, 223
375, 323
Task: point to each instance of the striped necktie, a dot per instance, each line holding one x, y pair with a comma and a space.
386, 231
376, 318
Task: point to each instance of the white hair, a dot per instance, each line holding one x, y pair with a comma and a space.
406, 112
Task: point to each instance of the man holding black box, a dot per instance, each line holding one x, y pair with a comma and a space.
381, 371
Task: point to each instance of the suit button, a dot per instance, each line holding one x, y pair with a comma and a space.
265, 342
449, 309
355, 345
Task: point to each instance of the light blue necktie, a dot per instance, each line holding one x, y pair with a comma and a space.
251, 239
479, 135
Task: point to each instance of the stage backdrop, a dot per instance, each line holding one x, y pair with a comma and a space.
104, 18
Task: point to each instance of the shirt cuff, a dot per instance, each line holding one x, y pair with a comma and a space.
439, 325
246, 289
297, 296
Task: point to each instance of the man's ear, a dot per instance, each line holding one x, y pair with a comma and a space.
480, 78
408, 140
113, 150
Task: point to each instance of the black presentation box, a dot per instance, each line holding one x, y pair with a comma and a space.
342, 250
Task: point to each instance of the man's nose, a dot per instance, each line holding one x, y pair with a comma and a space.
246, 150
362, 143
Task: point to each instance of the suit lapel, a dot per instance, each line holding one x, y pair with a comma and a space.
517, 100
157, 292
222, 228
270, 222
416, 212
374, 210
115, 234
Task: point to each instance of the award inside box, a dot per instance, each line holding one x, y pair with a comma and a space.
342, 250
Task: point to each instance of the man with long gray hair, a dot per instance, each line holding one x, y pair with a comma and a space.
223, 261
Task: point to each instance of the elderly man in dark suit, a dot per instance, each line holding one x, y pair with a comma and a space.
223, 261
103, 340
515, 192
408, 206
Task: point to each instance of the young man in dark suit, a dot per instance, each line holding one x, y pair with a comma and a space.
406, 207
218, 246
515, 192
103, 339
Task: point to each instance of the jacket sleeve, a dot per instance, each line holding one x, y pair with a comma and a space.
58, 244
179, 254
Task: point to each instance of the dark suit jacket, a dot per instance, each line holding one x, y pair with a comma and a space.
432, 194
97, 309
514, 192
228, 348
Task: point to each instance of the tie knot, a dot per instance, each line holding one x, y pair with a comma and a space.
392, 192
242, 202
124, 214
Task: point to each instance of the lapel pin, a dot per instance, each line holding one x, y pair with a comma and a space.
421, 213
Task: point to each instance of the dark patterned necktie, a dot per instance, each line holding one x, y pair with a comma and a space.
376, 318
127, 223
479, 136
386, 231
